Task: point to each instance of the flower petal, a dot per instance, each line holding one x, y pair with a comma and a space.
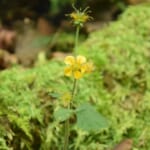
69, 60
80, 59
77, 74
73, 15
83, 68
89, 67
68, 71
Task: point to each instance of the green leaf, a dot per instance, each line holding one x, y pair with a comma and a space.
63, 114
89, 119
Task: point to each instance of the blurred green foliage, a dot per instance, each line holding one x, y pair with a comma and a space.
120, 4
57, 5
60, 41
119, 88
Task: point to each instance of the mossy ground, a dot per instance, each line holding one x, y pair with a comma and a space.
119, 88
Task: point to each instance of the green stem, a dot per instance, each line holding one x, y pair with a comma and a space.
76, 38
73, 91
66, 140
67, 124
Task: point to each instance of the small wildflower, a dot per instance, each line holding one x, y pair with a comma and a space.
66, 98
77, 66
79, 17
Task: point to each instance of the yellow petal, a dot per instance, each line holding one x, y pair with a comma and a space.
81, 59
85, 18
89, 67
68, 71
69, 60
73, 15
83, 68
77, 74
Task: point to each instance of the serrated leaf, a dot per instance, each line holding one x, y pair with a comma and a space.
63, 114
89, 119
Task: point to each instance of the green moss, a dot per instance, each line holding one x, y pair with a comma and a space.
121, 52
119, 88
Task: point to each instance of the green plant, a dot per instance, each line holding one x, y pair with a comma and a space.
76, 68
119, 89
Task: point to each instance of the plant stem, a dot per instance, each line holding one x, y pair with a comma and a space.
67, 124
73, 90
66, 141
76, 39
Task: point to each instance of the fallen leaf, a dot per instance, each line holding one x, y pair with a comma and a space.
125, 144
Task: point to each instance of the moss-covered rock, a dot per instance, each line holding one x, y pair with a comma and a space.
119, 88
122, 54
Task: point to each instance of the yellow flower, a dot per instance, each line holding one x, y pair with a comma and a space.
66, 98
77, 66
79, 17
